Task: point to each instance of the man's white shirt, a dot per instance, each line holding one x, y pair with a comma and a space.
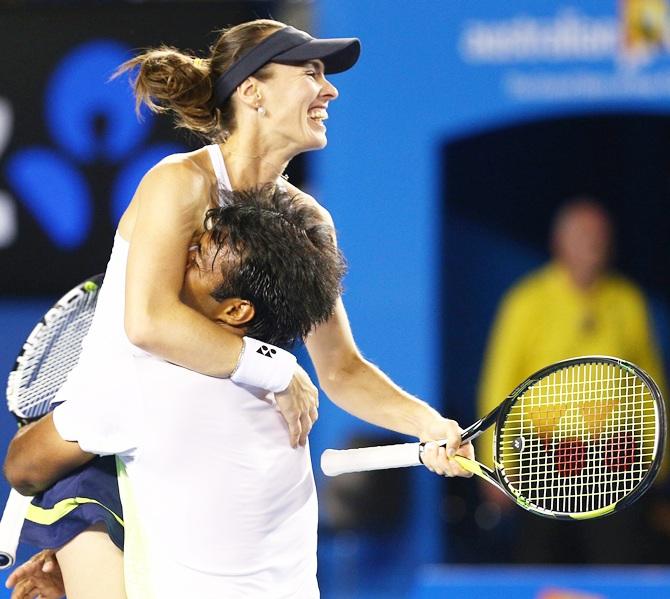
216, 501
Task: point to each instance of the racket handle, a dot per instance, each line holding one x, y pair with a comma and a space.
10, 527
340, 461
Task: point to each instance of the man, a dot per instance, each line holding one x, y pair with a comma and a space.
570, 307
216, 502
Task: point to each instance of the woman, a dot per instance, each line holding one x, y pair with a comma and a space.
262, 98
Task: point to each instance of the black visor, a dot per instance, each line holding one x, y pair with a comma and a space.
289, 46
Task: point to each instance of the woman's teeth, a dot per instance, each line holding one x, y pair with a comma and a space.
318, 114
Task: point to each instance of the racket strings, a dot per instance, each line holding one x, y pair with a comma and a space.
580, 439
51, 351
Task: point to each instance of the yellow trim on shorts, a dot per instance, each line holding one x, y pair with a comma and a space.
48, 516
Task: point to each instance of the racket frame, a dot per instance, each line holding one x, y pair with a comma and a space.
15, 377
499, 415
16, 506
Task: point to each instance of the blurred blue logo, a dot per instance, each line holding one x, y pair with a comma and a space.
90, 119
7, 206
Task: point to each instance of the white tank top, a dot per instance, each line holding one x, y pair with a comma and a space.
216, 502
106, 341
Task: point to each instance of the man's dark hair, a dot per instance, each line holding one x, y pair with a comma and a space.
279, 255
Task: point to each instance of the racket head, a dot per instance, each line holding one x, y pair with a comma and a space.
580, 439
51, 350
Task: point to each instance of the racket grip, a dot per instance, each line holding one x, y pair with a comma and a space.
10, 527
340, 461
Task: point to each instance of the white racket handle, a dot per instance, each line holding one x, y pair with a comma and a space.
10, 527
340, 461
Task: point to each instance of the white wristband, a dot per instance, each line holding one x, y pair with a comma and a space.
264, 366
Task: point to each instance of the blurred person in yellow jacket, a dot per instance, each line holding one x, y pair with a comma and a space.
574, 305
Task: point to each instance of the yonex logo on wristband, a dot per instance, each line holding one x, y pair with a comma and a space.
264, 350
273, 375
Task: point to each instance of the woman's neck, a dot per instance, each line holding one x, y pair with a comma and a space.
250, 164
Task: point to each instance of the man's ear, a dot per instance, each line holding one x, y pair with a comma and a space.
235, 312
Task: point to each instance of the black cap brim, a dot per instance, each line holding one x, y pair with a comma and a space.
337, 54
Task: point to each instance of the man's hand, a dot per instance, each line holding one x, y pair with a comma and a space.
39, 578
438, 459
299, 404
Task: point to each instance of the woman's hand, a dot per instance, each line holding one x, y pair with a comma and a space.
39, 577
299, 404
438, 459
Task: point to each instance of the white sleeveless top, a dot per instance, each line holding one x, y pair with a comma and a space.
216, 502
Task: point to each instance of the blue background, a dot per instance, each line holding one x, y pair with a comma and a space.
411, 95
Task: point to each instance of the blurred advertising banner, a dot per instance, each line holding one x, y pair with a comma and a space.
72, 149
570, 53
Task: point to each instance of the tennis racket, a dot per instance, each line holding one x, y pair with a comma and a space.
50, 352
579, 439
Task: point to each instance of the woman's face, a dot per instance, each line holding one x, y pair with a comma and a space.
296, 100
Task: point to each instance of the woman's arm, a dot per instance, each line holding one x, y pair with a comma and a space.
170, 206
360, 388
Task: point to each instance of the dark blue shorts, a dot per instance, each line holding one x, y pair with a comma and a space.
90, 495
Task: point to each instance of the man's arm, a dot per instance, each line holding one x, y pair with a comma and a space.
38, 456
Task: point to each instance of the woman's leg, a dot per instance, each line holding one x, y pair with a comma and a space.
92, 566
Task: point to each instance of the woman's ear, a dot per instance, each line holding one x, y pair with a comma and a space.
247, 92
235, 312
